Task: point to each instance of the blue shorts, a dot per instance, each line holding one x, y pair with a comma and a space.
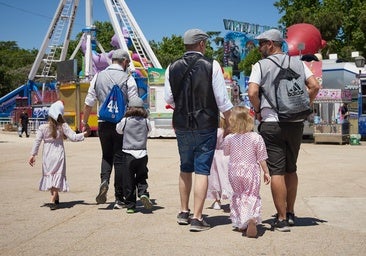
196, 150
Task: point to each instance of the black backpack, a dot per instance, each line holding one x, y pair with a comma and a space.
292, 101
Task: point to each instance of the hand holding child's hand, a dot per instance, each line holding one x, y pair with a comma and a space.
32, 160
267, 178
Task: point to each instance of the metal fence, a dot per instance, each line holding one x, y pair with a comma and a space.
33, 125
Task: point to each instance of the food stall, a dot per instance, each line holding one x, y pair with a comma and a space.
328, 124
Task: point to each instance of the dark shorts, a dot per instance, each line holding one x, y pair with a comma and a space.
283, 140
196, 150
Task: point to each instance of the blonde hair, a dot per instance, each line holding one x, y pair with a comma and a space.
240, 120
222, 123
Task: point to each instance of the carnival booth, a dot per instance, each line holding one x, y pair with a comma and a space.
329, 124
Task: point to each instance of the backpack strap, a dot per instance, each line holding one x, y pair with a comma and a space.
189, 68
123, 129
110, 78
261, 91
124, 85
278, 65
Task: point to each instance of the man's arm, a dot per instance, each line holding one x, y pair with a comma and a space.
132, 90
84, 121
89, 102
253, 94
313, 88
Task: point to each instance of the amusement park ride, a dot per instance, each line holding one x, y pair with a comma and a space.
44, 87
342, 82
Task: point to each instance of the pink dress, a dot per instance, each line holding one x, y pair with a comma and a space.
218, 181
53, 157
245, 151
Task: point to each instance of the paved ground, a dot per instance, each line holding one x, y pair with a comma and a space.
331, 208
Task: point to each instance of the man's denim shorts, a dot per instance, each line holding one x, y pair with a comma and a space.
196, 150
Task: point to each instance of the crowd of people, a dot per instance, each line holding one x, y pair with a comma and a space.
221, 156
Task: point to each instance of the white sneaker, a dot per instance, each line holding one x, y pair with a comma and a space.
145, 200
118, 204
216, 206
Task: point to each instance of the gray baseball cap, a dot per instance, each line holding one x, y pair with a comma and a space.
193, 36
120, 54
272, 35
136, 102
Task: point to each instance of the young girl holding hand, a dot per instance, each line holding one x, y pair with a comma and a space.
248, 156
53, 134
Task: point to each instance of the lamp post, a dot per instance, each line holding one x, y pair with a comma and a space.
360, 63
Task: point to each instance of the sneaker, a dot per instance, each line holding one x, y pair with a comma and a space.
102, 196
146, 201
119, 204
53, 206
183, 218
216, 206
282, 226
290, 218
199, 225
131, 210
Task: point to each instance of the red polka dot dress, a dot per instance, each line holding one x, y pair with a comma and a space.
245, 151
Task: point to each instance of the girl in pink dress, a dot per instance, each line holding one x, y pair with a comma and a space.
219, 187
53, 134
248, 155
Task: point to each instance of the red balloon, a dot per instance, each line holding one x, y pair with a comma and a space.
304, 36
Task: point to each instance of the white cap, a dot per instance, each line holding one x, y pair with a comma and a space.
56, 109
272, 35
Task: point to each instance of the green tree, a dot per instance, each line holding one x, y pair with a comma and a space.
218, 51
252, 57
170, 49
15, 64
342, 23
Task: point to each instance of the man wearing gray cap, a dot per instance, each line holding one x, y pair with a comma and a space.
195, 88
282, 138
110, 140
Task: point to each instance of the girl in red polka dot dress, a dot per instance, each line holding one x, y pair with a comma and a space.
248, 155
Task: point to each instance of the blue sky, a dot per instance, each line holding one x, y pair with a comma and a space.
27, 21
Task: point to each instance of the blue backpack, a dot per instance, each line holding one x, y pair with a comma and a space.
114, 107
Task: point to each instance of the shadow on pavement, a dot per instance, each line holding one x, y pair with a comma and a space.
139, 207
299, 221
66, 205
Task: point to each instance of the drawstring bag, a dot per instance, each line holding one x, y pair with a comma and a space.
114, 107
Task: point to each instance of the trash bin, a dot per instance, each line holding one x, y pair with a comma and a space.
354, 139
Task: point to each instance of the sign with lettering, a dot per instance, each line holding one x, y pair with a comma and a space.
245, 27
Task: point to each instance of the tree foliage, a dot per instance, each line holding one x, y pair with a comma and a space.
246, 64
342, 23
15, 64
170, 49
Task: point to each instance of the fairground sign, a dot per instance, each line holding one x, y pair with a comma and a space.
252, 29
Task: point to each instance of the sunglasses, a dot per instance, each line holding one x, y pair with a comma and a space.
263, 42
